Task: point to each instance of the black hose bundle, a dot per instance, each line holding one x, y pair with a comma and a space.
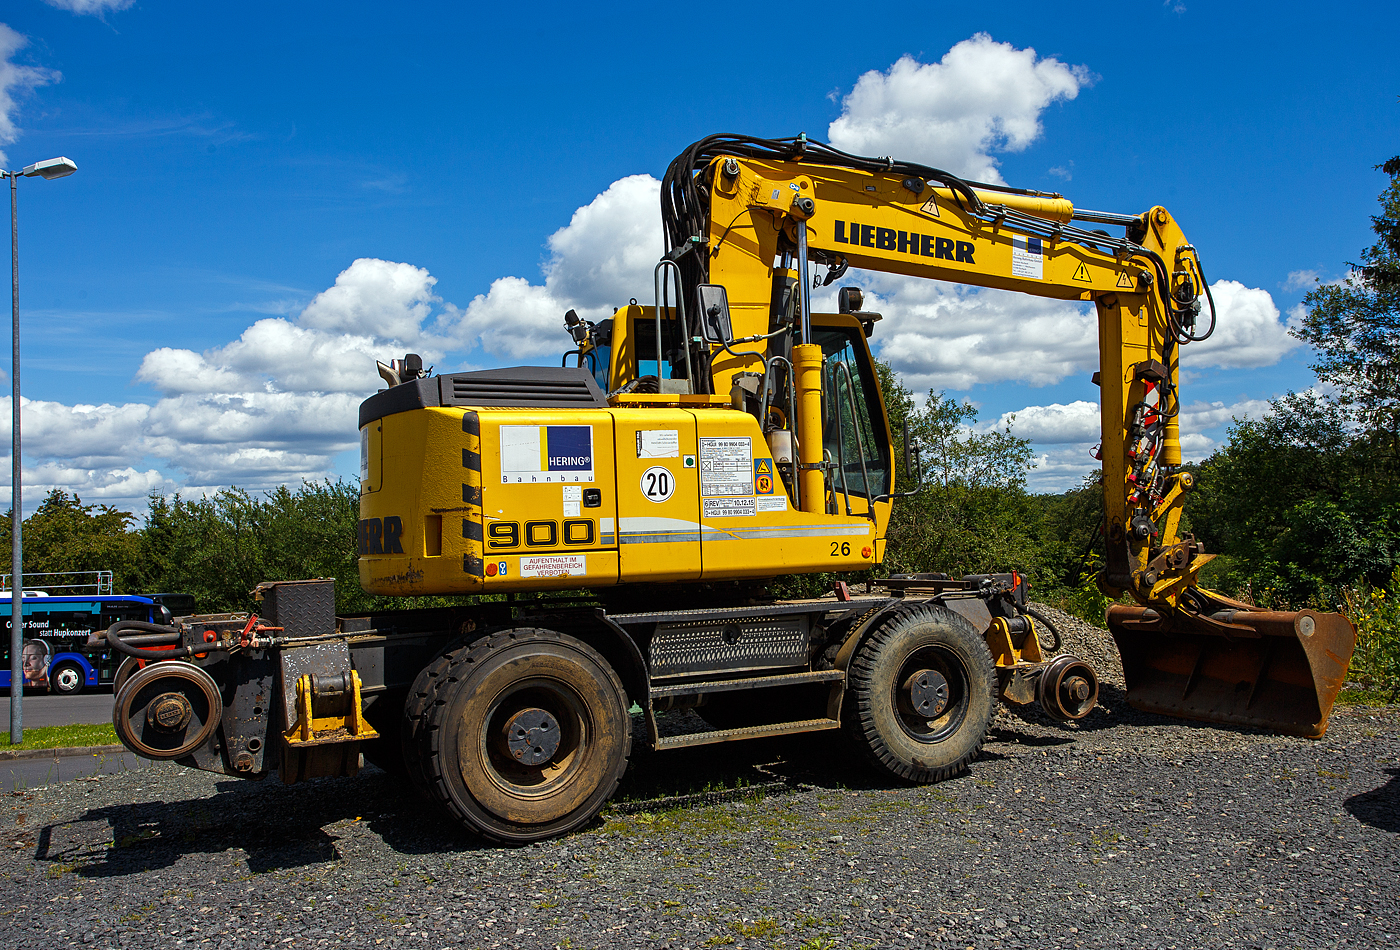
155, 635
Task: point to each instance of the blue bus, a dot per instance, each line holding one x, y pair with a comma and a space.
61, 653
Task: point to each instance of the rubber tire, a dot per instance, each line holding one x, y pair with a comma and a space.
870, 715
451, 706
56, 678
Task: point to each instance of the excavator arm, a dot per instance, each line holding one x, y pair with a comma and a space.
755, 216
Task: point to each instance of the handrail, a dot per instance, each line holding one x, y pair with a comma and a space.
656, 282
860, 444
769, 385
101, 582
835, 397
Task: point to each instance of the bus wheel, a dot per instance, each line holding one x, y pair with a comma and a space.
526, 736
67, 679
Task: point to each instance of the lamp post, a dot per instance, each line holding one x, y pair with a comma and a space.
48, 169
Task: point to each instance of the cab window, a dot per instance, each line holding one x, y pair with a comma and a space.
851, 431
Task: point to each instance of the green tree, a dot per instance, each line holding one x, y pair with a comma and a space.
974, 514
1307, 500
1355, 327
220, 547
66, 535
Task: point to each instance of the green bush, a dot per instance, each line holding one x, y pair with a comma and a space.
1376, 614
1086, 601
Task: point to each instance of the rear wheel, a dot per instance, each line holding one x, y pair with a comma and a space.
521, 736
67, 679
920, 694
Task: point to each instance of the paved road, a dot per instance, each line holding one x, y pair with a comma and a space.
89, 706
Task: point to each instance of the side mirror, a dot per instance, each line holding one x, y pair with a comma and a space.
714, 313
913, 462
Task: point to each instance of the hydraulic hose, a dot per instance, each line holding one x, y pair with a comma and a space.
156, 635
1049, 625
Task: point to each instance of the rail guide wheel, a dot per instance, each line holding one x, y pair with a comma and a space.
921, 692
167, 710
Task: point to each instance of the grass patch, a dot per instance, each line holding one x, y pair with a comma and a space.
1367, 697
59, 737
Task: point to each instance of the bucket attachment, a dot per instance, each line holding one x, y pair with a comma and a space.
1276, 670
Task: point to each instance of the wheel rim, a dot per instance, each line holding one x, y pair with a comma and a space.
534, 775
67, 679
167, 710
930, 694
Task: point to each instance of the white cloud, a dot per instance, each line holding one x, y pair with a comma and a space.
1301, 279
1200, 416
1061, 467
271, 407
982, 97
1078, 422
602, 258
1063, 435
278, 403
90, 7
1248, 330
376, 308
374, 298
949, 336
15, 81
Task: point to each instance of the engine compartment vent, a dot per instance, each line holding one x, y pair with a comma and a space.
546, 387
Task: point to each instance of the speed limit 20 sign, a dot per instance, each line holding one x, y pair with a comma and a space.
658, 484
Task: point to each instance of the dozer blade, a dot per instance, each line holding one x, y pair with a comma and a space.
1272, 669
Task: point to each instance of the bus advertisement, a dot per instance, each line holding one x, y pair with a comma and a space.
61, 651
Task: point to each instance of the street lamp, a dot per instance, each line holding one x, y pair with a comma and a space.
48, 169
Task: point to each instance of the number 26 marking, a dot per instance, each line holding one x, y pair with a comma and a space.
841, 548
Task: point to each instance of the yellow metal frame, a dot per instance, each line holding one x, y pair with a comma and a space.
313, 730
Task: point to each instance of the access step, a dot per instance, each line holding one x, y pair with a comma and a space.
752, 682
747, 732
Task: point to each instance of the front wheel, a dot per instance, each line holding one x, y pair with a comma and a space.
526, 735
921, 692
67, 679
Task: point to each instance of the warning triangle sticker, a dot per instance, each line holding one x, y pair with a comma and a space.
1082, 273
930, 207
762, 467
1125, 281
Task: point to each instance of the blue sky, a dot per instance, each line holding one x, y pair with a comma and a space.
194, 316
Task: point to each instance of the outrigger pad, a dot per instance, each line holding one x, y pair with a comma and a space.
1273, 670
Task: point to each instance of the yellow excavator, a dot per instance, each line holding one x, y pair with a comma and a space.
614, 524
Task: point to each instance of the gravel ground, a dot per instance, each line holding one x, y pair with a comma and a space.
1126, 830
